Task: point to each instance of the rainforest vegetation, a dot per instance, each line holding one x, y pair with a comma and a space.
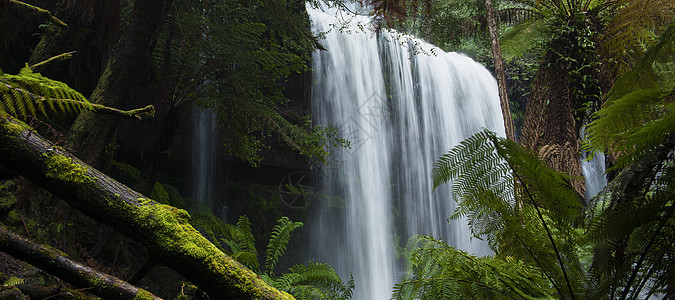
96, 190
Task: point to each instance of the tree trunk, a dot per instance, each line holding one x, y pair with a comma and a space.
549, 123
499, 70
91, 51
91, 133
59, 264
164, 230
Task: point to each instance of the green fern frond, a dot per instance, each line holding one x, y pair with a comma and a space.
438, 271
29, 92
522, 207
242, 243
245, 235
643, 75
13, 281
281, 235
632, 124
314, 281
631, 28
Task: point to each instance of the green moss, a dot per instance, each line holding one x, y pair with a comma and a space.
160, 194
174, 233
13, 128
63, 168
143, 295
7, 197
13, 217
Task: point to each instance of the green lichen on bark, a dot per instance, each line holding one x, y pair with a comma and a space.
64, 168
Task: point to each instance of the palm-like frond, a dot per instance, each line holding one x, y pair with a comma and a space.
644, 75
523, 208
639, 111
633, 25
633, 124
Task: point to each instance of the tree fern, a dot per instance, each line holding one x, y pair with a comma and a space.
639, 112
522, 207
620, 247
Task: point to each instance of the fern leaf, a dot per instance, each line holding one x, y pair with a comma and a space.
281, 235
13, 281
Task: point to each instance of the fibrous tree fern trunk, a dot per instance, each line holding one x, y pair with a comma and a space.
565, 89
549, 126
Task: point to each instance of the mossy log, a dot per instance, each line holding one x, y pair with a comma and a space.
59, 264
164, 230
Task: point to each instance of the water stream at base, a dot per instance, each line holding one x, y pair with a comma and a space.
401, 108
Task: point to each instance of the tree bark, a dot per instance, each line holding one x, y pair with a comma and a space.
164, 230
60, 265
499, 70
125, 70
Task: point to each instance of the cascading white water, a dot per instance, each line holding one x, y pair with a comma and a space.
401, 111
594, 174
204, 156
593, 171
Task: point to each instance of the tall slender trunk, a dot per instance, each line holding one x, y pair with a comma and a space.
90, 133
499, 70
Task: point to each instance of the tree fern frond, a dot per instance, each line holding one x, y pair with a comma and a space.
632, 124
281, 235
642, 75
631, 27
438, 271
28, 92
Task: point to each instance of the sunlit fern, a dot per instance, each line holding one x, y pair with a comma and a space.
29, 93
13, 281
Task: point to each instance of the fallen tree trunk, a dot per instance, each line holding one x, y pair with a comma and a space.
164, 230
60, 265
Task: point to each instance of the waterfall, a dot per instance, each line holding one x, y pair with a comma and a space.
593, 170
204, 156
402, 104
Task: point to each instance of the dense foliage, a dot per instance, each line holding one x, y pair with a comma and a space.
620, 246
606, 63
